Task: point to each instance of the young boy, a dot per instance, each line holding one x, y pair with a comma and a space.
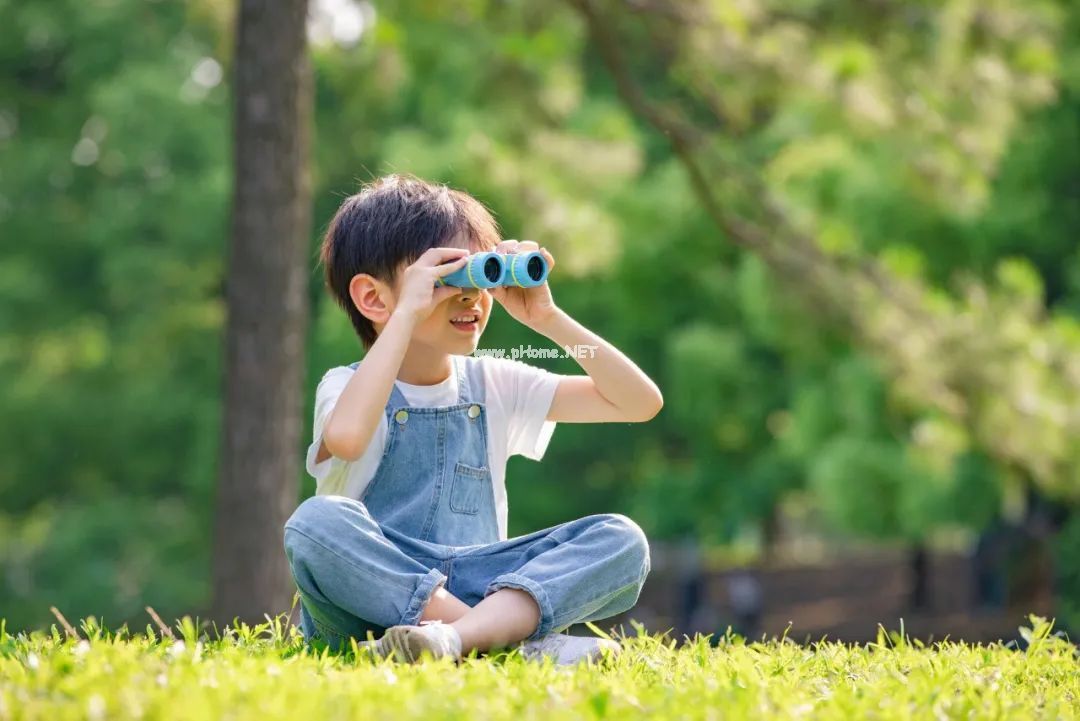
406, 535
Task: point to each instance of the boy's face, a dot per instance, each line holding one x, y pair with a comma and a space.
439, 331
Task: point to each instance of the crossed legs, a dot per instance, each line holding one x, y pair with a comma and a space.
352, 576
503, 618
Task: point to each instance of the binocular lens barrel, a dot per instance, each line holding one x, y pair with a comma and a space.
493, 269
535, 268
525, 270
490, 269
481, 270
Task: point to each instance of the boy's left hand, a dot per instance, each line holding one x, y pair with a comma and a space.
530, 306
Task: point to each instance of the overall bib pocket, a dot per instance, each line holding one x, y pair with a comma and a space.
468, 488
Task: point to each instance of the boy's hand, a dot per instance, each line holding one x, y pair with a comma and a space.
418, 296
530, 306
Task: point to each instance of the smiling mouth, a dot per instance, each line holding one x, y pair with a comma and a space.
467, 322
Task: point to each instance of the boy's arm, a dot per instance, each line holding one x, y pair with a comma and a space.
614, 390
356, 415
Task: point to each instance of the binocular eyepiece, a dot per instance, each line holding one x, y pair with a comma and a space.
489, 269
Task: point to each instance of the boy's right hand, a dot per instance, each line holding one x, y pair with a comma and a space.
418, 296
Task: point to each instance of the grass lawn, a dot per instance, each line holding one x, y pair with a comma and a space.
265, 672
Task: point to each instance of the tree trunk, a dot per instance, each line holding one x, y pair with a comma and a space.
267, 297
919, 562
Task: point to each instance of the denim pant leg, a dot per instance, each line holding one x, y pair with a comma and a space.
351, 576
583, 570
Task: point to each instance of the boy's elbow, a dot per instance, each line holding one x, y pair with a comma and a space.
658, 403
347, 449
649, 410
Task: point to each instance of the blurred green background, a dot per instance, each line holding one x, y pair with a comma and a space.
859, 291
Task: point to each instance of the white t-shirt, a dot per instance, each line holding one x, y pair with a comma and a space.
517, 399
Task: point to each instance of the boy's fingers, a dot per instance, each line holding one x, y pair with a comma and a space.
435, 256
447, 268
526, 246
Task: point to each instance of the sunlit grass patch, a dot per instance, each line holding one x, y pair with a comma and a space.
267, 672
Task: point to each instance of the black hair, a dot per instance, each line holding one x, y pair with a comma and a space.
392, 221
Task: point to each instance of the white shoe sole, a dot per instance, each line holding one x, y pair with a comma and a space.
405, 644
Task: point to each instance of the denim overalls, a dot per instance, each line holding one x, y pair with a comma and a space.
427, 518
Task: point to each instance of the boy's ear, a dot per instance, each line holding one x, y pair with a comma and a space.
372, 297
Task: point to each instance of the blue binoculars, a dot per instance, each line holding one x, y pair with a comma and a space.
487, 270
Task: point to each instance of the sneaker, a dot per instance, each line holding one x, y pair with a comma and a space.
407, 643
565, 650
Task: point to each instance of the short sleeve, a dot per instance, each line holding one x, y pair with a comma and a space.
330, 473
531, 391
335, 476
